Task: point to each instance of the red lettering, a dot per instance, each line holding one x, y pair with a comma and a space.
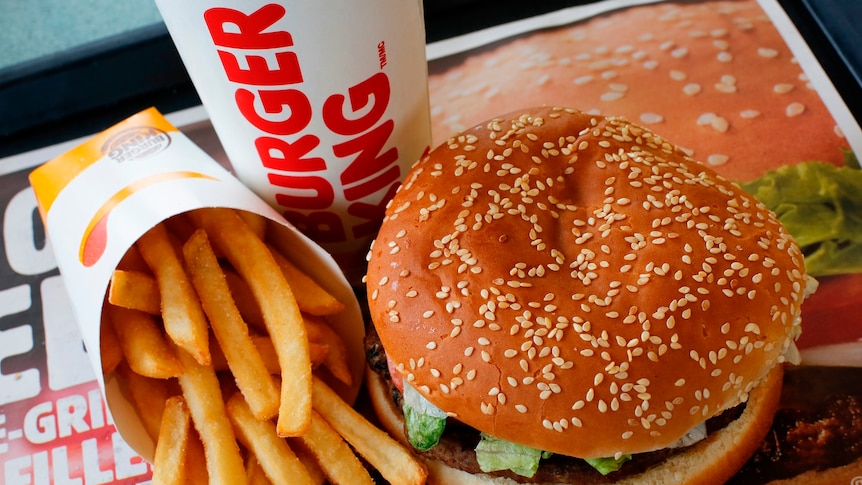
290, 101
373, 213
320, 194
247, 31
280, 112
279, 154
234, 29
374, 90
323, 227
259, 73
369, 160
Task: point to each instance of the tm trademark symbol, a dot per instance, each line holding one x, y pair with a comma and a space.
381, 53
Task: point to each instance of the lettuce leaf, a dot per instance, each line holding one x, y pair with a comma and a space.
820, 204
494, 454
425, 422
607, 465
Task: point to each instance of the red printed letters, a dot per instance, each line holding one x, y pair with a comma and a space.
261, 62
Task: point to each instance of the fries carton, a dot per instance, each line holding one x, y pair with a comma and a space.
98, 199
321, 106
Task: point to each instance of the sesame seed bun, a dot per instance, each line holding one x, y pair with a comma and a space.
577, 284
715, 77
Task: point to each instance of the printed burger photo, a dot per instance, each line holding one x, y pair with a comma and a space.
632, 257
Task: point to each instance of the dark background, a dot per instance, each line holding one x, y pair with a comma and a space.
86, 89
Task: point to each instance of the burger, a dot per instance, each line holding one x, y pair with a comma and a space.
562, 297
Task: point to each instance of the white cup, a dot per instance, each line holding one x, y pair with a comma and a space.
321, 106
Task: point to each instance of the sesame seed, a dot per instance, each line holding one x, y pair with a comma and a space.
717, 159
679, 52
767, 52
706, 119
794, 109
724, 56
691, 89
583, 79
719, 124
677, 75
651, 118
611, 96
725, 88
782, 88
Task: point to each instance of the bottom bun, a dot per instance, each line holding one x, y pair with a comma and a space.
712, 460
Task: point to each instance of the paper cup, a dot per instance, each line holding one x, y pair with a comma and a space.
321, 106
99, 198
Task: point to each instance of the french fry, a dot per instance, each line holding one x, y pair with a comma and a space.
332, 453
266, 349
148, 397
196, 463
274, 455
243, 358
183, 317
254, 262
310, 296
109, 344
318, 353
254, 473
390, 458
206, 405
318, 477
144, 347
169, 462
135, 290
256, 222
336, 359
244, 299
263, 346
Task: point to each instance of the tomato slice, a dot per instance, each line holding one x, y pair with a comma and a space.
394, 375
833, 314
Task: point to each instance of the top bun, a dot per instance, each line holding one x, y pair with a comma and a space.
577, 284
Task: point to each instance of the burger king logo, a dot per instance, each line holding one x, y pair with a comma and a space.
135, 143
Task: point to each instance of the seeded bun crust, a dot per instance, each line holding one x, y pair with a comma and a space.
714, 77
577, 284
713, 460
